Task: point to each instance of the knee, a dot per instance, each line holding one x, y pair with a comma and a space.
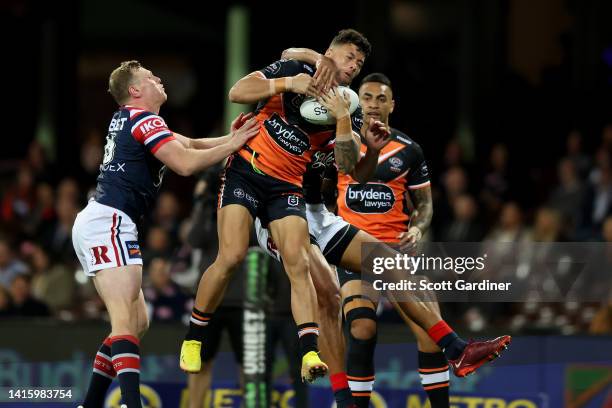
231, 257
363, 329
361, 323
296, 257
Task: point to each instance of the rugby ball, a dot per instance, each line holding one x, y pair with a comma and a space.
315, 113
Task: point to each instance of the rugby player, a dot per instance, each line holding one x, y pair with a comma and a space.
341, 244
264, 179
139, 147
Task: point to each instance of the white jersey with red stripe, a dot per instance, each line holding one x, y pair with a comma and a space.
130, 175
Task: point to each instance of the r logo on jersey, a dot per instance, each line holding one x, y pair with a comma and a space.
98, 255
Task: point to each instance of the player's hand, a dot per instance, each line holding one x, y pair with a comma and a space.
337, 103
240, 120
410, 237
240, 136
376, 134
326, 74
303, 84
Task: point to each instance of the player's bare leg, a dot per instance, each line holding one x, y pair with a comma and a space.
292, 239
331, 341
199, 385
234, 223
120, 290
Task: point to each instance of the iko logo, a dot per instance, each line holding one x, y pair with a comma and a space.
99, 255
152, 124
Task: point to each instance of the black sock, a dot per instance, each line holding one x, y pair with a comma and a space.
451, 344
198, 324
360, 356
433, 369
126, 362
360, 369
308, 334
101, 378
342, 391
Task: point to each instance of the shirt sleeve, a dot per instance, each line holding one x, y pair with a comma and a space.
286, 68
151, 131
419, 175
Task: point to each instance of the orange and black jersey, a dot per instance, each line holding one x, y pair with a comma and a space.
286, 143
379, 207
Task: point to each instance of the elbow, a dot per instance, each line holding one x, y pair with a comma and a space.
184, 170
235, 96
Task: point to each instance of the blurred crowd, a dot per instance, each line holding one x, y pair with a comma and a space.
473, 201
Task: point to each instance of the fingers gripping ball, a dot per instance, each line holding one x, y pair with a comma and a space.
312, 111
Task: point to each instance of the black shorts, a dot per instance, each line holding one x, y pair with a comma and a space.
229, 318
264, 196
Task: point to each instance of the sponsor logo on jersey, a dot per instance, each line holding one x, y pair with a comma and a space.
403, 139
288, 137
274, 67
240, 194
321, 159
369, 198
151, 123
133, 249
118, 167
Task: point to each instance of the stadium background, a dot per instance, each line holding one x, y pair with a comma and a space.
510, 101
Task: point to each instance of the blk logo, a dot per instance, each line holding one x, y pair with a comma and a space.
99, 254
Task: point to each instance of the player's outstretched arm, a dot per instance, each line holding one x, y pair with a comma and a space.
186, 161
210, 142
256, 87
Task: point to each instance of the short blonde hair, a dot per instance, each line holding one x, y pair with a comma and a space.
120, 80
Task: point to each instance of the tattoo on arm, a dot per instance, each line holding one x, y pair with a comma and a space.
421, 198
347, 155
